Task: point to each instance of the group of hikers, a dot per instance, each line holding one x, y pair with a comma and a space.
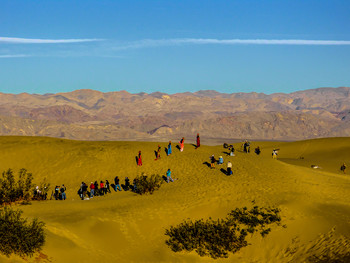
168, 150
99, 189
220, 161
60, 193
104, 187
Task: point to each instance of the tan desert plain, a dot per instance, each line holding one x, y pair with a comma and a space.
126, 227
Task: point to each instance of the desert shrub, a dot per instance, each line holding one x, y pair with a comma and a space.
22, 189
217, 238
334, 258
17, 236
207, 238
255, 219
148, 184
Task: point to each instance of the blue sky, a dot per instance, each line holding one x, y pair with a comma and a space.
173, 46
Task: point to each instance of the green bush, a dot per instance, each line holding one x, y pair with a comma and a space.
146, 184
17, 236
217, 238
20, 190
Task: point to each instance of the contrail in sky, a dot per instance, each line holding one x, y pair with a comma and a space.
16, 40
209, 41
15, 56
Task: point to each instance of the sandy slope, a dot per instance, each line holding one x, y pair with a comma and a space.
124, 227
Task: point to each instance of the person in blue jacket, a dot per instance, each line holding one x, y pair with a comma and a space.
168, 176
169, 148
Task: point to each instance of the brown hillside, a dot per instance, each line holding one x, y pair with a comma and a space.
85, 114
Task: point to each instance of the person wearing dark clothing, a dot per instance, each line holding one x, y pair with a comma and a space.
229, 168
158, 153
96, 188
198, 141
257, 150
343, 168
83, 190
247, 147
117, 185
107, 187
57, 189
212, 161
134, 182
127, 183
63, 192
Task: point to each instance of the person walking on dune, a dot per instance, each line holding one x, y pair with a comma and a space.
212, 162
168, 176
274, 154
139, 159
169, 148
158, 153
117, 185
182, 144
343, 168
198, 141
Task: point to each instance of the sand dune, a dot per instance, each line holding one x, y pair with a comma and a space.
125, 227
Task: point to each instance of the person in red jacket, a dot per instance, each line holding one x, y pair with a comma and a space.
139, 159
198, 141
92, 190
102, 187
182, 144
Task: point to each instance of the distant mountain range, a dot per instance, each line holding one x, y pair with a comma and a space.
94, 115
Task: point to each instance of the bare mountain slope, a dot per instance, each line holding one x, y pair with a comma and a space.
94, 115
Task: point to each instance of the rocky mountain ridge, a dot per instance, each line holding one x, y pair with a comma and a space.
94, 115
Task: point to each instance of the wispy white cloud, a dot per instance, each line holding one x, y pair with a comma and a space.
16, 40
209, 41
14, 56
111, 48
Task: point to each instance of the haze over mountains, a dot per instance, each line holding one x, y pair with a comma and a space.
94, 115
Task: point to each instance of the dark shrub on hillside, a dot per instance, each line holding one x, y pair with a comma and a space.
217, 238
17, 236
255, 219
207, 238
148, 184
333, 258
22, 189
11, 191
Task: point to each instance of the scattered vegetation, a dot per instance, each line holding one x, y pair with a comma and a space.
216, 238
19, 236
22, 189
148, 184
334, 258
11, 191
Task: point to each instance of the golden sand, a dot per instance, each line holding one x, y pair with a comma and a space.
125, 227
